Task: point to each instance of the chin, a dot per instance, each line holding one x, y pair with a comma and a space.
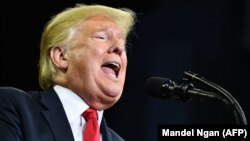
112, 91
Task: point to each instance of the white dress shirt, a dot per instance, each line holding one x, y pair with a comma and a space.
74, 106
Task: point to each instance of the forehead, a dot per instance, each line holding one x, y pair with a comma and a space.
99, 22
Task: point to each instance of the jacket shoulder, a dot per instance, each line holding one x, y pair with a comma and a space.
18, 97
12, 92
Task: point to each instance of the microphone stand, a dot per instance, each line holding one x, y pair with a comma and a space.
230, 101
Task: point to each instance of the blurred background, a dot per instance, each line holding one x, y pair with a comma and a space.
208, 37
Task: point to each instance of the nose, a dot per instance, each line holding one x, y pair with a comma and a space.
117, 49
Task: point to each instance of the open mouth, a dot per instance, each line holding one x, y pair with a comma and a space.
112, 68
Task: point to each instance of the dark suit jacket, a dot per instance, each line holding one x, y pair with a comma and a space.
38, 116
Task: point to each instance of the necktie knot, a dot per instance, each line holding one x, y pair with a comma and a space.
90, 114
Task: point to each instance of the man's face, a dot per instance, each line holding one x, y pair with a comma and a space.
97, 62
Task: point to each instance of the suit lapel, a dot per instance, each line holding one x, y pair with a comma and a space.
106, 136
55, 116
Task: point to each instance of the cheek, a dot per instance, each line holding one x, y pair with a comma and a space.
77, 63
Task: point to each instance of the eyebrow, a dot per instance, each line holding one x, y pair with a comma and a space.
102, 28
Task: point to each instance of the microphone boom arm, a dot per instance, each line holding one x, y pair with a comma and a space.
234, 106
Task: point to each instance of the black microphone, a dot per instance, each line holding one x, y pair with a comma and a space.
167, 89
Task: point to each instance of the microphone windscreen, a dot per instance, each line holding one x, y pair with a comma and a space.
153, 86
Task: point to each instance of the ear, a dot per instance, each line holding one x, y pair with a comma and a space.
59, 57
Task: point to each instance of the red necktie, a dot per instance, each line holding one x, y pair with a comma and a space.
92, 131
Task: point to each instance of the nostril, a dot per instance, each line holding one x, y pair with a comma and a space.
117, 51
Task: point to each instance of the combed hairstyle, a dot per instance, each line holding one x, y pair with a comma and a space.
59, 29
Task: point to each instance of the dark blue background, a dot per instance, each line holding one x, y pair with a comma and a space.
209, 37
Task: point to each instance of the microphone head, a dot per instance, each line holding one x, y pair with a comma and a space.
154, 86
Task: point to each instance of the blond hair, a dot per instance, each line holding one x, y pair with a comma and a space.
58, 31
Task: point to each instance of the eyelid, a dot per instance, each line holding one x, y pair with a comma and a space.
101, 35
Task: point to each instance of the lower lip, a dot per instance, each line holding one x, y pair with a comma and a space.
109, 72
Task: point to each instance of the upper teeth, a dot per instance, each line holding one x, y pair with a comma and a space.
115, 64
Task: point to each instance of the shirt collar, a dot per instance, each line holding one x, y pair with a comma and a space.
73, 104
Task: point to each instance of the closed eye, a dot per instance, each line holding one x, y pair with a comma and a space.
100, 37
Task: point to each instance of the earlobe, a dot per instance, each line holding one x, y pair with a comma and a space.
59, 57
